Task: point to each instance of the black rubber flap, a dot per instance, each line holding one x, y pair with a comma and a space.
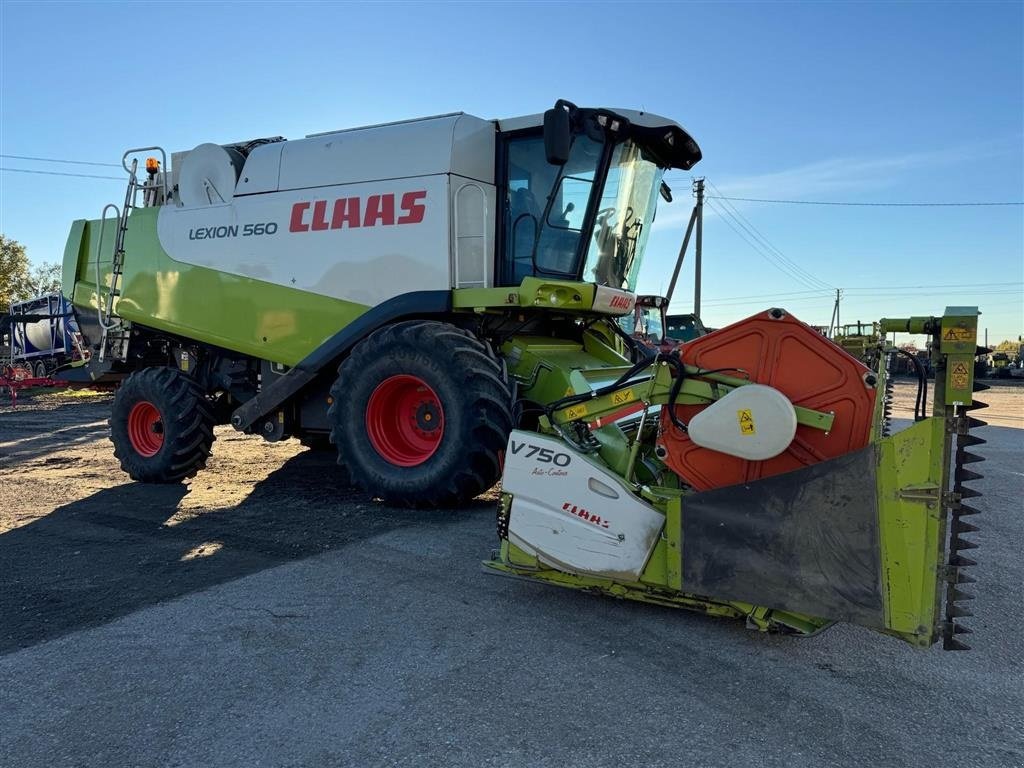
805, 541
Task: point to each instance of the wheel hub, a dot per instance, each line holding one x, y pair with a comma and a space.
145, 429
404, 420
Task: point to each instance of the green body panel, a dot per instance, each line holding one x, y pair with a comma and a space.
548, 369
73, 255
959, 343
533, 293
249, 316
78, 271
912, 527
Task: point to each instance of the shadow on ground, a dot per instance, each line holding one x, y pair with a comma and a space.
113, 553
27, 434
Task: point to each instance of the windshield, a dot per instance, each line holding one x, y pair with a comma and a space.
624, 218
643, 322
539, 244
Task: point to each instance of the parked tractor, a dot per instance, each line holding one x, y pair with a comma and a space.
437, 301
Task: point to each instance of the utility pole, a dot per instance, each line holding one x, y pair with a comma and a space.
834, 324
698, 187
696, 221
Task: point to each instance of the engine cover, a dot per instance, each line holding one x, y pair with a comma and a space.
573, 514
779, 351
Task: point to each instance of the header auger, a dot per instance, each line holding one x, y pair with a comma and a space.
437, 302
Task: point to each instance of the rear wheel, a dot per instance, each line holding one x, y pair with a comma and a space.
421, 412
161, 426
39, 370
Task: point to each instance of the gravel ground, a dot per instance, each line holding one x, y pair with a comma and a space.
266, 615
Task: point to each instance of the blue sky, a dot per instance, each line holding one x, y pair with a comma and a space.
862, 102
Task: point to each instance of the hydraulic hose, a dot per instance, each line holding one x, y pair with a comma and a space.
921, 401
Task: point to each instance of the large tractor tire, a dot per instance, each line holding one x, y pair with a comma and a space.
161, 426
421, 414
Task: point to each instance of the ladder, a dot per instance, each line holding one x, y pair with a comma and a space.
113, 334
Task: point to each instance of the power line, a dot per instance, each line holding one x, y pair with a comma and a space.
811, 279
59, 173
54, 160
946, 285
782, 295
869, 205
890, 289
881, 290
759, 249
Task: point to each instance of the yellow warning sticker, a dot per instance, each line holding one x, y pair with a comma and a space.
575, 412
623, 396
958, 334
746, 420
959, 376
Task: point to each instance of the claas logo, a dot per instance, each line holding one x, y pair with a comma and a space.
352, 212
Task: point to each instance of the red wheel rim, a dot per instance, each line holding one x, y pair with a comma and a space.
145, 428
404, 420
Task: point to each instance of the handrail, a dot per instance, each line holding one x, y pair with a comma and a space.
163, 165
99, 252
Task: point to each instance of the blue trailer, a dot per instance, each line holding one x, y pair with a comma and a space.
44, 336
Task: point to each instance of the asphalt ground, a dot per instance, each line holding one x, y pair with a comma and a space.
266, 615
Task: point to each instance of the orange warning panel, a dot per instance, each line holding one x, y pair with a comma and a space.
792, 357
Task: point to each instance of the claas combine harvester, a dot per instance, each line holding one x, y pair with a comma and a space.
437, 300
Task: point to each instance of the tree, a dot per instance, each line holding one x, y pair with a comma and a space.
18, 279
44, 278
14, 271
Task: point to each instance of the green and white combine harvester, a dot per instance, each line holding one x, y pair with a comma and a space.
437, 301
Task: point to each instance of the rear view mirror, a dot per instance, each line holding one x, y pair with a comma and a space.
557, 135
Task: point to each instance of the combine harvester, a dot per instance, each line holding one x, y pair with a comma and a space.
437, 301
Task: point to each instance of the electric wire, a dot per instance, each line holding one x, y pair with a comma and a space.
957, 204
62, 173
760, 250
974, 289
55, 160
814, 281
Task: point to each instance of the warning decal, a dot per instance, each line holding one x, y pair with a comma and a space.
623, 396
958, 334
575, 412
959, 376
746, 420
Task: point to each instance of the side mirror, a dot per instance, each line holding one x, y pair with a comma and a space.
666, 192
557, 135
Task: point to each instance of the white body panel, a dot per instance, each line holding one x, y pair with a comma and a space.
262, 170
308, 240
572, 513
426, 210
753, 422
613, 301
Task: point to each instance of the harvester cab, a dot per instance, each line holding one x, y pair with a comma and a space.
437, 302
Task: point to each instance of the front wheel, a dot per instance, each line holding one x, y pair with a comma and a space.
421, 413
161, 425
